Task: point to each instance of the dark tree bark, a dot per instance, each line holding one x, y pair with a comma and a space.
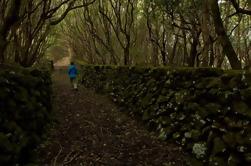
11, 19
223, 37
29, 21
205, 28
194, 51
174, 50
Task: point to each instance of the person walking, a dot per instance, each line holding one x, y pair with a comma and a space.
73, 72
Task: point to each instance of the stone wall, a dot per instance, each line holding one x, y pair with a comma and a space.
25, 110
206, 111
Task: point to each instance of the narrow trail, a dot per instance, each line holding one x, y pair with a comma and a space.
91, 131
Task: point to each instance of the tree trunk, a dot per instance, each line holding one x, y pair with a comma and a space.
126, 55
218, 54
164, 57
155, 54
8, 21
3, 44
185, 53
113, 58
127, 50
211, 54
176, 40
222, 35
193, 52
205, 34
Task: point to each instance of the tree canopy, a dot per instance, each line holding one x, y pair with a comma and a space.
194, 33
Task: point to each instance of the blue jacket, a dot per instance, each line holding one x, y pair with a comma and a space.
72, 71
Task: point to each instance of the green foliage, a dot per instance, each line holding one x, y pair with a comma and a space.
201, 109
25, 104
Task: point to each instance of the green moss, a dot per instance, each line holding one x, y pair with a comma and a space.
218, 146
248, 157
242, 108
165, 133
195, 135
163, 99
213, 108
230, 139
246, 94
191, 161
25, 97
233, 160
213, 83
146, 115
190, 106
6, 146
215, 161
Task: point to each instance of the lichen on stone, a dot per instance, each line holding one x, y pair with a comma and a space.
199, 149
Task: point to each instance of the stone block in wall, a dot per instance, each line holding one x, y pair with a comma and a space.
25, 111
207, 111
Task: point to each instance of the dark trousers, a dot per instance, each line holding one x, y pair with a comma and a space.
74, 83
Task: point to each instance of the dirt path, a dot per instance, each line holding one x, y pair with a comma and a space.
91, 131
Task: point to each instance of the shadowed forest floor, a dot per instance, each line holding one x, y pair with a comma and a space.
91, 131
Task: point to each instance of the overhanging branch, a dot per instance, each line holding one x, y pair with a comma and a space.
238, 9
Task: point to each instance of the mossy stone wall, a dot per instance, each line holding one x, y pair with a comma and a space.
206, 111
25, 110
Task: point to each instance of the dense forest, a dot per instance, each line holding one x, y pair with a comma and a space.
144, 82
194, 33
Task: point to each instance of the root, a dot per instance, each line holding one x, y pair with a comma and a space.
56, 157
